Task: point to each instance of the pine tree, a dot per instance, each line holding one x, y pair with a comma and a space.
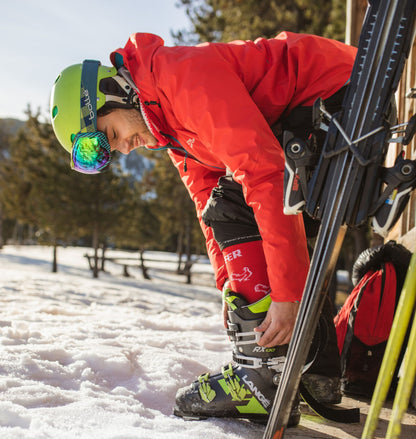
226, 20
137, 226
40, 189
178, 225
4, 148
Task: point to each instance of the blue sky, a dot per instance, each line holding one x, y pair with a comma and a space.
39, 38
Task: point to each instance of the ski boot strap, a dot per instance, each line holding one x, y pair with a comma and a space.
274, 363
242, 338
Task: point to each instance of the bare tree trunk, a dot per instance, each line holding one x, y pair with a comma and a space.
142, 266
179, 251
54, 258
1, 226
103, 249
17, 233
188, 263
95, 247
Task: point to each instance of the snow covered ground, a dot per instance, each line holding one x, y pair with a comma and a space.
103, 358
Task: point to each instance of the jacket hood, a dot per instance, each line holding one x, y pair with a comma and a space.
136, 57
138, 50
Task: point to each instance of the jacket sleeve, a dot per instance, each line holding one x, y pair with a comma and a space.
230, 125
199, 182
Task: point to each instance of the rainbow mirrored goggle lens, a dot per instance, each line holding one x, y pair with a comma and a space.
91, 153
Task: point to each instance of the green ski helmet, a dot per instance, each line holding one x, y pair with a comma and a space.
65, 104
78, 93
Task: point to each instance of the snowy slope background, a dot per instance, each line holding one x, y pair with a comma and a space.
103, 358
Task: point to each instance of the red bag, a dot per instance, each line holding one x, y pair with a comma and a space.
363, 324
369, 309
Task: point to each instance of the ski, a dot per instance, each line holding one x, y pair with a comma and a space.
402, 320
345, 186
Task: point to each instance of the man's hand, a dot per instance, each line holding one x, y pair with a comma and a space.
278, 324
225, 290
225, 313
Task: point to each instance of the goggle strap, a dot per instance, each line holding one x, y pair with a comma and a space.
89, 77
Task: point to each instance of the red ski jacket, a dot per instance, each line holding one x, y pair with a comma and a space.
215, 102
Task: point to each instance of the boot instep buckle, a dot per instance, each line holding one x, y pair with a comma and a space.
276, 363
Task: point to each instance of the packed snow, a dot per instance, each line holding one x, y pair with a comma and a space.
102, 358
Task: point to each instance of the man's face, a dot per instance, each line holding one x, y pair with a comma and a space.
125, 130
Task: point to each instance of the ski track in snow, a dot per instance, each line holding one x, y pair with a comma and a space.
103, 358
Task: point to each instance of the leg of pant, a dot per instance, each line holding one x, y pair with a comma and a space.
236, 232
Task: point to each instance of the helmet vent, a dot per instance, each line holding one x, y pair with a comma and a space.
54, 111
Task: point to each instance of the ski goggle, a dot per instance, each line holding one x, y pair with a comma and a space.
91, 153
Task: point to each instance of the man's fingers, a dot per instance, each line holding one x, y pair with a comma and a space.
263, 327
271, 333
278, 325
272, 338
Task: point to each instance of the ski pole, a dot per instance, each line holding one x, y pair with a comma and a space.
407, 378
394, 344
